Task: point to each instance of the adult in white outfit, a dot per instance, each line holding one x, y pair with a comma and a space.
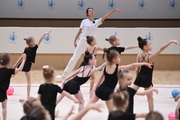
88, 27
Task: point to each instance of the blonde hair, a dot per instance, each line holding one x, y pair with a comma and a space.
111, 39
28, 40
48, 72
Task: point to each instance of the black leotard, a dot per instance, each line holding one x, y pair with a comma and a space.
107, 87
144, 77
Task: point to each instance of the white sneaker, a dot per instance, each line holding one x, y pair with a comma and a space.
59, 77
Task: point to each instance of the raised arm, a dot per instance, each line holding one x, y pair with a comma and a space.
18, 61
40, 40
133, 65
147, 91
152, 56
131, 47
109, 13
22, 64
76, 37
99, 68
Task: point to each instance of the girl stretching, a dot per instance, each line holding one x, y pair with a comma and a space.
115, 42
73, 82
93, 50
30, 51
144, 74
5, 76
105, 86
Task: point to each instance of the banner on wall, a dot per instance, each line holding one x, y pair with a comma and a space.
61, 39
75, 9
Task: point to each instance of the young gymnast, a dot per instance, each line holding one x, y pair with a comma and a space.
47, 92
5, 76
92, 49
73, 82
115, 42
31, 55
89, 27
121, 101
154, 116
125, 80
107, 82
144, 74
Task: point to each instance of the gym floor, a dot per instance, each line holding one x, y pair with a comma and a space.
164, 81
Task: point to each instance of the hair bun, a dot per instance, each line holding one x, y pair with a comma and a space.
25, 38
87, 37
122, 87
139, 39
105, 50
87, 53
106, 39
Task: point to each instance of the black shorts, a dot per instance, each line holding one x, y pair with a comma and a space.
27, 66
72, 87
3, 96
103, 92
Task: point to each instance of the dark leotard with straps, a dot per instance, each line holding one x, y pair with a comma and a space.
144, 77
107, 87
73, 86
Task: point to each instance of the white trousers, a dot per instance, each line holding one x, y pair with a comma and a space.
81, 47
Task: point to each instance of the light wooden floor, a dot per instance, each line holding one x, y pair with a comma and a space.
159, 77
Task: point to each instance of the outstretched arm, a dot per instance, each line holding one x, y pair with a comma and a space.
18, 61
40, 40
76, 37
109, 13
131, 47
133, 65
147, 91
152, 56
71, 75
22, 64
99, 68
83, 112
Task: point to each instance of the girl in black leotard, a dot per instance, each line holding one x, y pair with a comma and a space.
105, 86
115, 42
144, 74
73, 82
92, 49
